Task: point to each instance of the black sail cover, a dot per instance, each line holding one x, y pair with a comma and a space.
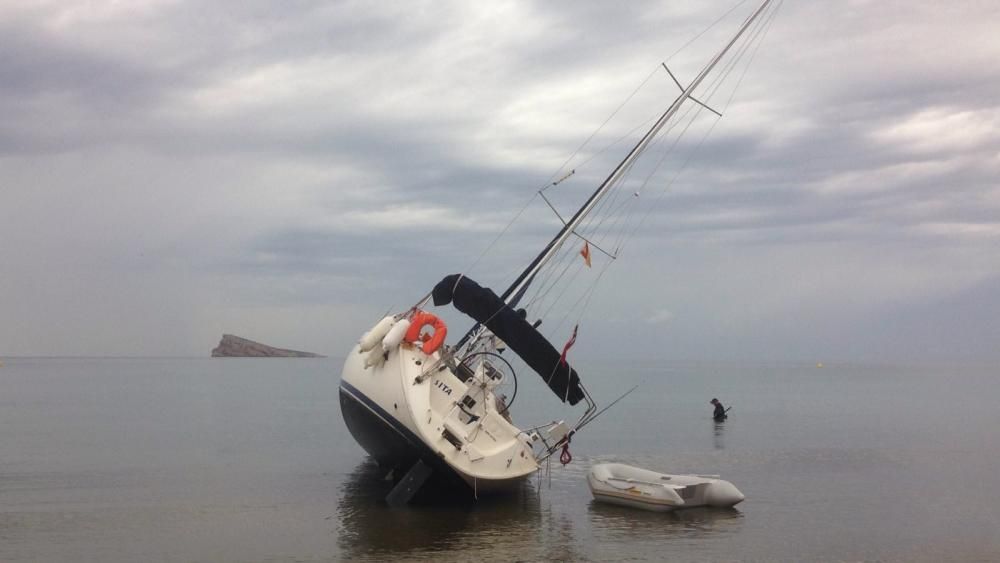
482, 304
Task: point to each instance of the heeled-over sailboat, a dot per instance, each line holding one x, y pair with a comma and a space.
420, 406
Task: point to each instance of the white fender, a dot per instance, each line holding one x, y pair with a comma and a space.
373, 337
395, 335
375, 357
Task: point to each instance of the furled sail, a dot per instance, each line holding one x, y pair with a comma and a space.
482, 304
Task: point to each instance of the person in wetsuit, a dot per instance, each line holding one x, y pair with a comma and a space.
720, 411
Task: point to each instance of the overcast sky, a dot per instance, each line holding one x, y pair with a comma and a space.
289, 171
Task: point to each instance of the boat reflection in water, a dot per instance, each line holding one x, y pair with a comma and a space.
617, 522
439, 526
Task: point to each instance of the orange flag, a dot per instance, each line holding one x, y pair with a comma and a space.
585, 252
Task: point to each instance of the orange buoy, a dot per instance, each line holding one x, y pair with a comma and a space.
420, 320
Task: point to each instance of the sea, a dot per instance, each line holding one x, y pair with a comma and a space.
217, 460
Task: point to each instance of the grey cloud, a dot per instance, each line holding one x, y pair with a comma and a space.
164, 127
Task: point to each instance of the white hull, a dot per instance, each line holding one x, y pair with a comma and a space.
408, 408
634, 487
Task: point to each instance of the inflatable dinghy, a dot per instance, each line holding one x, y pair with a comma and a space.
635, 487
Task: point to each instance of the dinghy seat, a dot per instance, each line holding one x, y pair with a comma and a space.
687, 493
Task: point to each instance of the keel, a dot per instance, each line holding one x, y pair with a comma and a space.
409, 485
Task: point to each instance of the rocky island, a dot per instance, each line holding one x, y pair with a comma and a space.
236, 347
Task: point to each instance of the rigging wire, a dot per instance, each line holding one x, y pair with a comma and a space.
704, 31
588, 224
611, 217
693, 111
769, 19
564, 254
567, 258
713, 88
589, 291
565, 164
641, 85
500, 235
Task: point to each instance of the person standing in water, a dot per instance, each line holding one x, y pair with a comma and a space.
720, 411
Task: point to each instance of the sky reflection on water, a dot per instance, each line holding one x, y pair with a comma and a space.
198, 460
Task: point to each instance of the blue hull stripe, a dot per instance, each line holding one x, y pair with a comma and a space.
385, 416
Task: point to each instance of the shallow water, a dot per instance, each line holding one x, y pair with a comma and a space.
249, 460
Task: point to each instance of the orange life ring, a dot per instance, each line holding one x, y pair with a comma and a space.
420, 320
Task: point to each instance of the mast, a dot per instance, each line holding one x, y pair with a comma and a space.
514, 292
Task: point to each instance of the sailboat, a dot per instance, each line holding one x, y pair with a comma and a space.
421, 407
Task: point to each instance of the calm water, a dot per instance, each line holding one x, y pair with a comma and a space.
249, 460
